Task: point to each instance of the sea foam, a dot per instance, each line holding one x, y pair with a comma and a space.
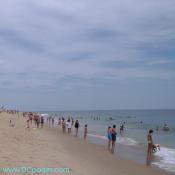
121, 140
167, 159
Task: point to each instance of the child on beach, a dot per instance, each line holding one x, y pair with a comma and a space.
156, 147
11, 124
85, 131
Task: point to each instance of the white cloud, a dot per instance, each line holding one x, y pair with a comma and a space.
48, 40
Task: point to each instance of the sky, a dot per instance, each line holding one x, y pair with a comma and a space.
87, 54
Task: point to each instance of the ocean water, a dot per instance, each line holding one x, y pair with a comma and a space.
132, 144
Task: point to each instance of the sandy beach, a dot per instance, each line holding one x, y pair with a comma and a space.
50, 148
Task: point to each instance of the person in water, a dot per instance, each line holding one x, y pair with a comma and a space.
109, 135
150, 146
121, 129
85, 131
114, 134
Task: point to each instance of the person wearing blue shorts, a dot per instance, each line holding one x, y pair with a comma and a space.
109, 135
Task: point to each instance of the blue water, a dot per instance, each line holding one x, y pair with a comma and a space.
138, 122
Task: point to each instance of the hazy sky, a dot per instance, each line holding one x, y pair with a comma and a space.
87, 54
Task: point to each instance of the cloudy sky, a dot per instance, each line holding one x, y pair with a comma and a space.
87, 54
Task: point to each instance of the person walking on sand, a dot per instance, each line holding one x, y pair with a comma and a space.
114, 134
77, 125
69, 126
150, 147
109, 135
85, 131
42, 121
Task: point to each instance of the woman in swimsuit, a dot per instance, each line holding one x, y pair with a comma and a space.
150, 146
114, 134
109, 135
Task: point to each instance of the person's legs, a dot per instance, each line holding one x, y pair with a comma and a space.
113, 147
149, 154
76, 132
85, 135
109, 144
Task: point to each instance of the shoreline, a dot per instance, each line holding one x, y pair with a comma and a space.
49, 147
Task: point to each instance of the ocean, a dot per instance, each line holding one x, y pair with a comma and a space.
132, 144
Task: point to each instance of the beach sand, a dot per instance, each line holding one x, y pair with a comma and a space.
49, 147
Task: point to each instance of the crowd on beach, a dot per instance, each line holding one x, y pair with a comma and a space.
35, 118
66, 125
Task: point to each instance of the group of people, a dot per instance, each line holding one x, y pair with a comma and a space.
35, 118
67, 125
151, 147
111, 134
51, 120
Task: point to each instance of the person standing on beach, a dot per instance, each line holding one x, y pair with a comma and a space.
77, 125
150, 146
28, 125
114, 134
30, 117
59, 121
69, 126
35, 119
38, 121
85, 131
42, 121
63, 125
53, 120
109, 135
72, 121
